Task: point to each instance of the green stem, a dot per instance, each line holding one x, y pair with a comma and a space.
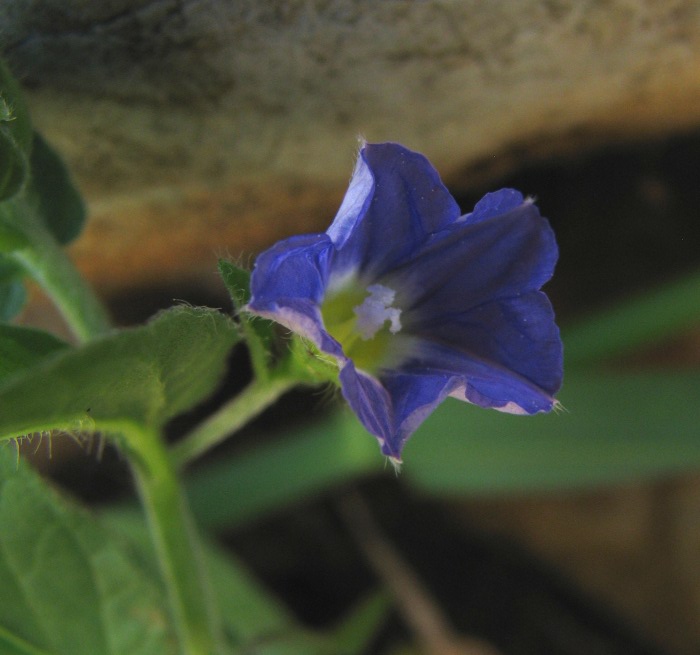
48, 264
177, 547
259, 395
43, 258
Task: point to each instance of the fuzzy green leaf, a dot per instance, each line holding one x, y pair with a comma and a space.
22, 348
251, 614
65, 586
143, 376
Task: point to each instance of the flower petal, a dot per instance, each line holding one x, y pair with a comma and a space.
489, 382
414, 398
516, 367
294, 268
287, 284
393, 408
371, 402
473, 322
499, 256
516, 336
494, 204
381, 224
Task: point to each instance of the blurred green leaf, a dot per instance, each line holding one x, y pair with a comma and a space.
255, 620
143, 376
22, 347
354, 633
31, 245
306, 461
55, 198
636, 322
65, 587
616, 427
15, 135
34, 223
13, 293
13, 296
11, 235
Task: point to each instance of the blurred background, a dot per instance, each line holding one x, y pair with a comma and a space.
199, 129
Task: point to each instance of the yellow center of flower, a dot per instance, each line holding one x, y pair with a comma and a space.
363, 324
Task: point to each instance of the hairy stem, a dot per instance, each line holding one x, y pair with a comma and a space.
238, 411
177, 547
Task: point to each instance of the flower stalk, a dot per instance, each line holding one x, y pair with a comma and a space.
233, 415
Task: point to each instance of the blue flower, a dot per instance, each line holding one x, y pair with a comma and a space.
416, 302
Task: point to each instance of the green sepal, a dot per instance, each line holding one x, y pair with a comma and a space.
237, 281
259, 333
309, 364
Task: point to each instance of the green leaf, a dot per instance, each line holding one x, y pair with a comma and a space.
144, 376
324, 453
13, 296
41, 211
615, 428
27, 239
65, 586
11, 236
636, 322
13, 293
252, 615
354, 633
125, 386
15, 135
22, 348
56, 199
36, 251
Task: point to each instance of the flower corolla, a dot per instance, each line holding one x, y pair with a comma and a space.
416, 302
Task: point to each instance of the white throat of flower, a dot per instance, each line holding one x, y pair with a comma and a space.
376, 310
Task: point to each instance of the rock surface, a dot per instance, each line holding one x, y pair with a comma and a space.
202, 127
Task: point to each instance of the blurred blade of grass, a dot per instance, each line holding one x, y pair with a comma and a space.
658, 313
306, 461
617, 427
356, 630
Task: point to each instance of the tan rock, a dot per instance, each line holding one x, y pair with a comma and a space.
197, 127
